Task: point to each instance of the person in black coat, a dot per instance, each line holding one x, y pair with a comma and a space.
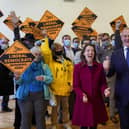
6, 79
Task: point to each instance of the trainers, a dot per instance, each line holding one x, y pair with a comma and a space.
7, 109
67, 126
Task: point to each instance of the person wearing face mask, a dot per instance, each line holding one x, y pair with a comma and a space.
61, 86
31, 94
71, 52
85, 40
6, 79
93, 40
76, 49
68, 52
105, 49
96, 41
75, 45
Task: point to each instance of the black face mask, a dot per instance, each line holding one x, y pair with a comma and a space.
58, 53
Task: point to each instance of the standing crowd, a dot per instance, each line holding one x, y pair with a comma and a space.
84, 76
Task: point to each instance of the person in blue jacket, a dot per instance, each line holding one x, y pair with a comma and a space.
31, 94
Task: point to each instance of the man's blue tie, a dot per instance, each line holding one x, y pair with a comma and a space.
127, 56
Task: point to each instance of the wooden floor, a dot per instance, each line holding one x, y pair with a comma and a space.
6, 120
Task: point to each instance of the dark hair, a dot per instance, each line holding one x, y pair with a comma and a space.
85, 38
106, 34
54, 48
83, 59
66, 36
29, 37
76, 38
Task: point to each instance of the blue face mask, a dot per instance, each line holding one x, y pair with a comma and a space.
67, 43
93, 42
75, 45
105, 44
113, 43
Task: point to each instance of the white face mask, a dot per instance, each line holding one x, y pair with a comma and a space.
4, 46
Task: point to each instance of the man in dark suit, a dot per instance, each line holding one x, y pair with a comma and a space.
119, 65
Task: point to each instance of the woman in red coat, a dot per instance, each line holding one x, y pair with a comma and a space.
89, 85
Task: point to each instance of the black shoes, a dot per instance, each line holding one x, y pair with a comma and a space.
6, 109
16, 127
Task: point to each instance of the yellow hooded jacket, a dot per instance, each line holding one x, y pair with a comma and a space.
62, 72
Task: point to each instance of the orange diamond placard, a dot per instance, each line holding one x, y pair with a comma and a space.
9, 23
86, 18
81, 31
17, 57
3, 36
51, 23
30, 26
25, 26
122, 20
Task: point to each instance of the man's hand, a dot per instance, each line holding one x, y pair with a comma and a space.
118, 24
14, 18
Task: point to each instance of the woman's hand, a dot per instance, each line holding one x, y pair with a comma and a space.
85, 98
106, 64
39, 78
107, 92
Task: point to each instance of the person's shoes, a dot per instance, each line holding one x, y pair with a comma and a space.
67, 126
16, 127
6, 109
114, 119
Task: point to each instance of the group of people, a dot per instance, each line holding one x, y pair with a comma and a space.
77, 74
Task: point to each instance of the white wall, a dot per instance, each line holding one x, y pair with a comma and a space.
106, 10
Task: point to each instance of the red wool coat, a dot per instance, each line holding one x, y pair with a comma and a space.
92, 81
